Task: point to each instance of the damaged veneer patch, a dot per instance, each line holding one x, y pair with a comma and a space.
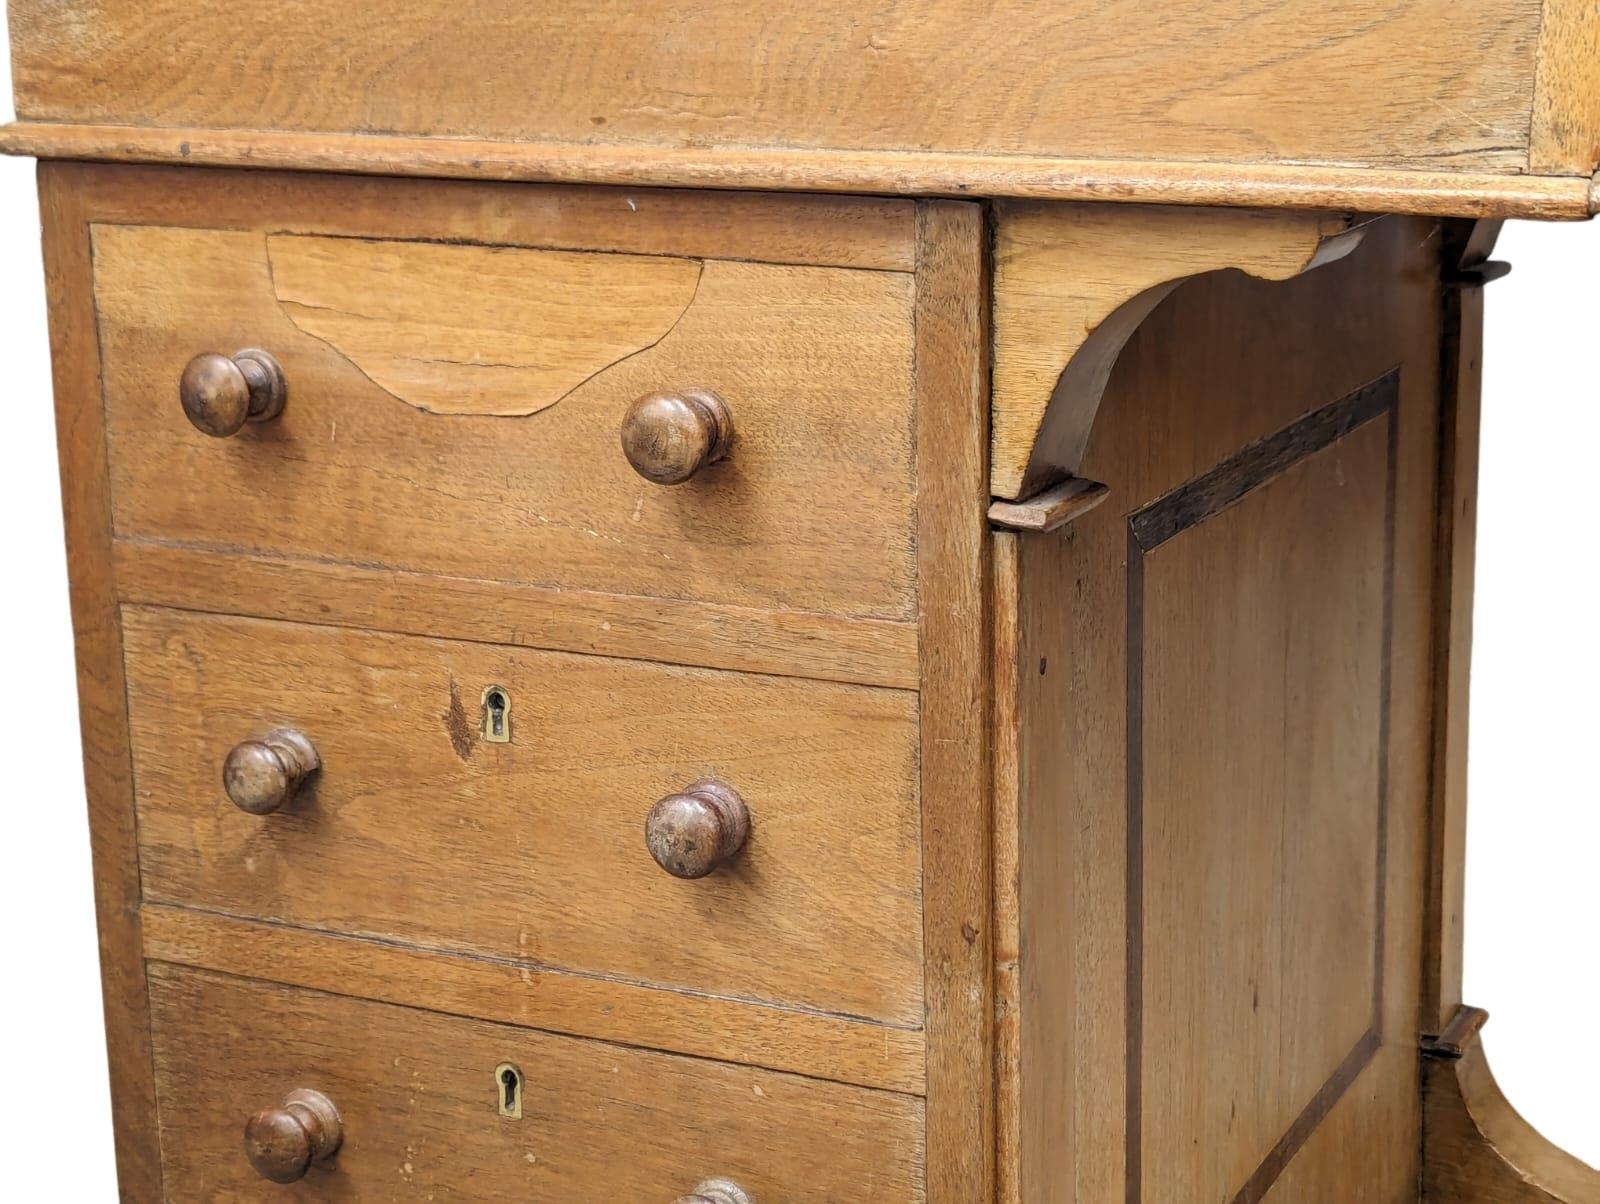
454, 329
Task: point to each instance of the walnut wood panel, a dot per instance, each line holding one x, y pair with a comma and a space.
1232, 969
1417, 83
102, 691
584, 1005
814, 362
417, 1097
497, 331
418, 830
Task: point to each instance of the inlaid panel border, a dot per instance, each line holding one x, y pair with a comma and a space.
1149, 527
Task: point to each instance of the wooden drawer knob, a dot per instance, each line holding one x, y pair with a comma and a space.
220, 394
717, 1191
692, 833
262, 775
283, 1142
668, 437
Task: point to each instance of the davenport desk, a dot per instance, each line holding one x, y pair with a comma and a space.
788, 603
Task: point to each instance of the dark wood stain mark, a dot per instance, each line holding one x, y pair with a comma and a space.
1149, 527
1206, 496
463, 733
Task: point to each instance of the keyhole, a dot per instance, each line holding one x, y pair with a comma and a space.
509, 1081
497, 715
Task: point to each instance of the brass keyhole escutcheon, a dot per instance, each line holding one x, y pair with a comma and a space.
496, 722
508, 1090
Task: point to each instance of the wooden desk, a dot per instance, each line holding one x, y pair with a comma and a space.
788, 602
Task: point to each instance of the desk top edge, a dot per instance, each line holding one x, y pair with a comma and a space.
977, 176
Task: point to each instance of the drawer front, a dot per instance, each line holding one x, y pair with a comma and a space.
419, 1101
458, 410
416, 828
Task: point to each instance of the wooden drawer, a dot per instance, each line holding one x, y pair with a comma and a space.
417, 829
457, 380
419, 1104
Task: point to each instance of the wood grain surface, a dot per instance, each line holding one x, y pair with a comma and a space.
477, 330
102, 688
954, 574
417, 1095
1217, 741
417, 830
814, 362
1565, 136
792, 643
1433, 192
1415, 83
1481, 1150
1073, 282
728, 1030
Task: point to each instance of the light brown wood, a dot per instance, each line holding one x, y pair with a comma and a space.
1433, 83
501, 331
1005, 766
1217, 753
1072, 284
1565, 138
102, 692
1435, 192
870, 233
792, 643
1477, 1147
1467, 246
738, 1031
954, 574
417, 1094
1034, 869
1481, 1150
534, 849
800, 354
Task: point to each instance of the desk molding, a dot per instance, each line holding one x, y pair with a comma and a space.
1477, 194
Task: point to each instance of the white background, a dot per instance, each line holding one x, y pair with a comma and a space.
1533, 898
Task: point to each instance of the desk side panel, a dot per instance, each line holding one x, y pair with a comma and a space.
1221, 708
102, 691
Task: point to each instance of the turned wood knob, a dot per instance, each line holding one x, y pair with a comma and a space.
283, 1142
692, 833
262, 775
668, 437
717, 1191
220, 394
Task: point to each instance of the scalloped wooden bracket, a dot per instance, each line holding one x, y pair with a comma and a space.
1073, 282
1477, 1149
